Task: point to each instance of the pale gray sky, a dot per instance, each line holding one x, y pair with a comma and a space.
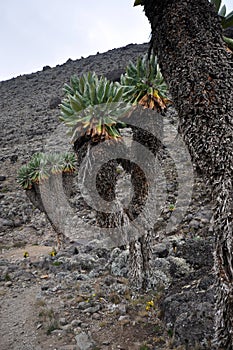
35, 33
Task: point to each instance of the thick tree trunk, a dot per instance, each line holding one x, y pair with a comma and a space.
106, 181
147, 134
102, 182
186, 36
99, 161
48, 197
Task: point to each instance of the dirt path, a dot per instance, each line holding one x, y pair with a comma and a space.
35, 252
17, 315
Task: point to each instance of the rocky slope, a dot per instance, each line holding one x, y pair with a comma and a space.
80, 298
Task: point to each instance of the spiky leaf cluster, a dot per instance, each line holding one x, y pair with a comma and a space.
93, 106
144, 84
42, 166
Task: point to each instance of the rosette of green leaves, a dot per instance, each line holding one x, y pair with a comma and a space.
42, 166
68, 163
38, 167
144, 84
24, 178
93, 106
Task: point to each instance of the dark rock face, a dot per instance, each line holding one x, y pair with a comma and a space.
194, 250
189, 301
46, 68
54, 102
115, 74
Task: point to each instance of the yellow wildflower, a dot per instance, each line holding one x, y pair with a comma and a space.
149, 305
53, 252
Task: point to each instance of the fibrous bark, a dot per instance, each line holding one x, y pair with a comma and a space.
98, 163
186, 36
50, 198
147, 129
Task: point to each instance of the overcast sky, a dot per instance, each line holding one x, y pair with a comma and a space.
35, 33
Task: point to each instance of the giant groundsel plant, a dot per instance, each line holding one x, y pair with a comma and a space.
93, 107
144, 84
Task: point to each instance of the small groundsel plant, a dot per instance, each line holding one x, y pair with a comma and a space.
144, 84
42, 166
93, 107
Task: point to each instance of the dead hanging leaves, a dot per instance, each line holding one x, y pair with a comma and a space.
154, 101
